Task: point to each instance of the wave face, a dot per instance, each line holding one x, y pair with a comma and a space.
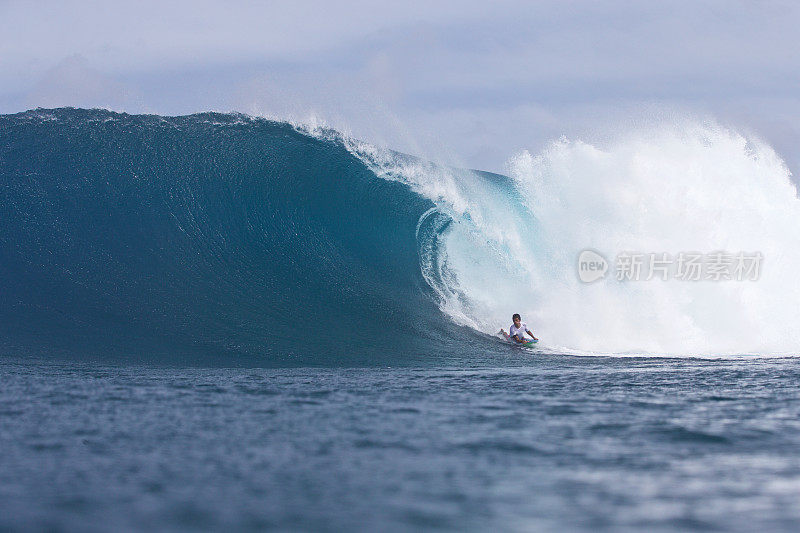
184, 238
197, 236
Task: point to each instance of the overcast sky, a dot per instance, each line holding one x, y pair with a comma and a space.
467, 84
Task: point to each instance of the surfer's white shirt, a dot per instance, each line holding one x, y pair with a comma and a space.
520, 331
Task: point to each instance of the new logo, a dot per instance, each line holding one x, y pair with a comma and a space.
591, 266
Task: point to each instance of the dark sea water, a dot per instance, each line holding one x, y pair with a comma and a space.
520, 443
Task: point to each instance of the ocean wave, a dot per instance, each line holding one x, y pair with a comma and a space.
174, 239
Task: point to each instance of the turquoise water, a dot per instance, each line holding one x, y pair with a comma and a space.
205, 238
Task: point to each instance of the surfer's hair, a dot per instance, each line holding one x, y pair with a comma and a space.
516, 316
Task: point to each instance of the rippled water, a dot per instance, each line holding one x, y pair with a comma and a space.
548, 443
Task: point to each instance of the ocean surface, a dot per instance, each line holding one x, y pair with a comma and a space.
513, 442
224, 322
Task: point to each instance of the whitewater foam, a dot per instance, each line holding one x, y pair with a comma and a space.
513, 246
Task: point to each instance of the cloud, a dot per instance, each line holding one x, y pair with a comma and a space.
72, 82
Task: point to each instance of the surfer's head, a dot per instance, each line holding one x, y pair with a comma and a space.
517, 319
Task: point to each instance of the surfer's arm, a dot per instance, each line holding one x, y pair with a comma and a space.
531, 334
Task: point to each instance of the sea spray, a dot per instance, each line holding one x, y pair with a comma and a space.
513, 246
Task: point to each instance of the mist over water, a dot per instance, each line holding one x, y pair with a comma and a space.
494, 246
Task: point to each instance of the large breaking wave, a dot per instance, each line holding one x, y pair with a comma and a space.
224, 235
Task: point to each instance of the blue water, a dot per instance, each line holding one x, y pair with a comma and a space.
206, 238
214, 321
551, 443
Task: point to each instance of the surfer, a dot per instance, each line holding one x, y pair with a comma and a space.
518, 330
